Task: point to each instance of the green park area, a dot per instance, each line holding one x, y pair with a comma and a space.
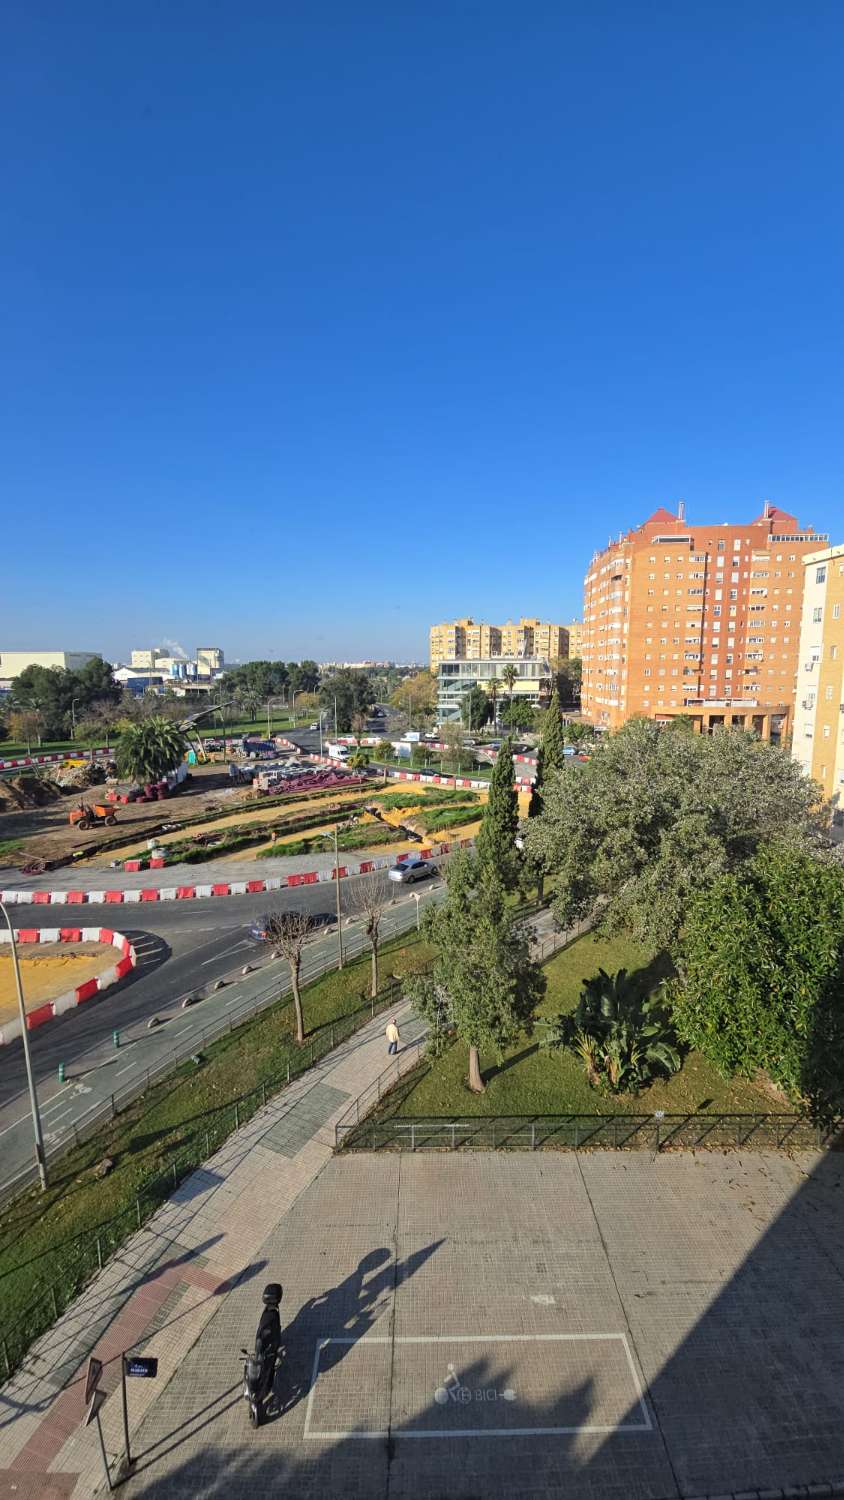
531, 1078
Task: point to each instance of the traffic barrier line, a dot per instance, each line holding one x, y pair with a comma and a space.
82, 992
221, 888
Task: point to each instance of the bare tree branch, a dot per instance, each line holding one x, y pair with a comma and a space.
288, 932
368, 899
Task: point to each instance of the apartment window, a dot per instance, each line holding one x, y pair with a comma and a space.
828, 693
721, 546
836, 611
817, 614
737, 545
826, 731
646, 671
733, 593
833, 653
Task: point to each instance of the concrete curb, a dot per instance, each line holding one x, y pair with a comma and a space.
221, 888
85, 991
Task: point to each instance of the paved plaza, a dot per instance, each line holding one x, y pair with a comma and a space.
457, 1327
469, 1327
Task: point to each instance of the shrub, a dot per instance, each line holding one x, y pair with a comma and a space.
623, 1039
762, 975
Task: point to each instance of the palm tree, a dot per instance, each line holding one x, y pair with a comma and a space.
492, 688
509, 677
148, 750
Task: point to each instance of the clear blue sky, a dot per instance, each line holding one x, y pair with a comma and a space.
324, 321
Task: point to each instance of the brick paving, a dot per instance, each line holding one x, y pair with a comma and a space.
460, 1327
163, 1287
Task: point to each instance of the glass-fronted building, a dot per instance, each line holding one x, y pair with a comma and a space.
455, 677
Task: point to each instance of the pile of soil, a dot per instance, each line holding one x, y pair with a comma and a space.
28, 790
79, 778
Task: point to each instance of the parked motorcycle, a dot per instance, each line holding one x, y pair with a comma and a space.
259, 1368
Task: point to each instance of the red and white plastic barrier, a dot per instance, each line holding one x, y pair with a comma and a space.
220, 888
20, 762
85, 991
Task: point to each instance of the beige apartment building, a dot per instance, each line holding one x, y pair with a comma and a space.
470, 640
574, 631
696, 620
818, 742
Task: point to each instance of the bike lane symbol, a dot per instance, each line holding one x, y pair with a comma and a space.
453, 1389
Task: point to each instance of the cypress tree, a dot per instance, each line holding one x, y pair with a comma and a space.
496, 843
535, 807
553, 742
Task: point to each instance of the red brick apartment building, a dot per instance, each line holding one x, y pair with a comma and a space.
696, 620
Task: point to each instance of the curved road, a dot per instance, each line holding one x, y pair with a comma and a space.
183, 947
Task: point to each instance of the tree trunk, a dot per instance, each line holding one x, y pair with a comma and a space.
540, 886
297, 1001
373, 990
476, 1082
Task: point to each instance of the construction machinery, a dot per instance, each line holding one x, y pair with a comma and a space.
89, 816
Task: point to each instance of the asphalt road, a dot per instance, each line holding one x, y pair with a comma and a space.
183, 948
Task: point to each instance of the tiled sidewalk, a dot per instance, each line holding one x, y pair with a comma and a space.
169, 1280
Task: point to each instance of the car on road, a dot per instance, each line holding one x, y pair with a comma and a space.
314, 726
410, 870
259, 929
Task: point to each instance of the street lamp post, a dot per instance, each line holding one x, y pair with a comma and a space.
417, 898
33, 1096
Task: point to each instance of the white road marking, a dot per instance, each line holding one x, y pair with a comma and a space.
225, 953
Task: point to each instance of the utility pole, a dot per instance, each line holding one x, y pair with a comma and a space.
268, 718
337, 884
33, 1094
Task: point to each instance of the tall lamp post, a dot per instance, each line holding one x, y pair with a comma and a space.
33, 1096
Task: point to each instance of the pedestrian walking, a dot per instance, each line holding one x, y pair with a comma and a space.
393, 1038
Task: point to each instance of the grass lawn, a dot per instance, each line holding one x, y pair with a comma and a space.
13, 749
49, 1240
532, 1081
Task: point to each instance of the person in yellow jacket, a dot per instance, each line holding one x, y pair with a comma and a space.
392, 1035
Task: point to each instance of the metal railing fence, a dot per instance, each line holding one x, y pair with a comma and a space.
574, 1132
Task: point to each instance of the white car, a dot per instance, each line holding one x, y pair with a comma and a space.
410, 869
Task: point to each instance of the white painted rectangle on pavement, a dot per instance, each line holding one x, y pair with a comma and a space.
474, 1386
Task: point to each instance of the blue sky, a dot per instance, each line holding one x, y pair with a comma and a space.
322, 322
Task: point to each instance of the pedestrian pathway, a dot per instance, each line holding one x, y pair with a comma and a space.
170, 1278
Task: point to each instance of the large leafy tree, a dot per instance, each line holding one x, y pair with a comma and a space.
303, 676
147, 751
496, 841
416, 696
762, 975
58, 694
658, 815
351, 692
257, 679
476, 708
483, 982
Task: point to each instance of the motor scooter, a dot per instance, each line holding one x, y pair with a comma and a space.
259, 1368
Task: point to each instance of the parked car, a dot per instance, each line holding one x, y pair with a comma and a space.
314, 726
409, 870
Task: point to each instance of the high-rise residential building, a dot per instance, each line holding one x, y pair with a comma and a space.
573, 631
470, 640
702, 621
818, 742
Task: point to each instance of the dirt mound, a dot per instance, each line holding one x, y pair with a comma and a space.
79, 778
29, 790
